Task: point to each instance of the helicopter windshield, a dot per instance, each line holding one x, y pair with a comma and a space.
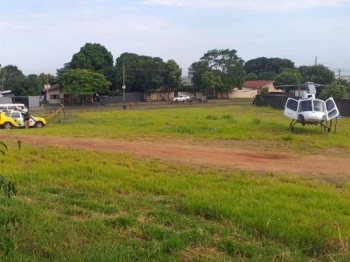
319, 106
305, 106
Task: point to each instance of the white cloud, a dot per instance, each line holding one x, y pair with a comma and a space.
251, 6
164, 2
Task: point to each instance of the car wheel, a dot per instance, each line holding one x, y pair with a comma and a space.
39, 125
7, 125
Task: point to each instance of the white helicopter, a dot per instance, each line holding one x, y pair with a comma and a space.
308, 110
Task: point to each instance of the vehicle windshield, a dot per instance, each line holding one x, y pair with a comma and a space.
305, 106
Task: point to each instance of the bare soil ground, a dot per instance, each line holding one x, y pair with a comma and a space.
238, 155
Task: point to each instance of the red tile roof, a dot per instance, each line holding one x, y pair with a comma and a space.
256, 84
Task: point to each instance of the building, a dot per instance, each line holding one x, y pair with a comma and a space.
53, 95
251, 88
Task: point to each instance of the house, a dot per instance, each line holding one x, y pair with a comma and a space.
53, 95
251, 88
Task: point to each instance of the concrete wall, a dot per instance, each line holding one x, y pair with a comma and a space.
134, 97
29, 101
5, 100
279, 102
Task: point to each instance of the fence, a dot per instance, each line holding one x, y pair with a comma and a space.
278, 102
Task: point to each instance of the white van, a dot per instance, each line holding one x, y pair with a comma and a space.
19, 107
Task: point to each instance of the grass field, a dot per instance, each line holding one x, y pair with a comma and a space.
94, 205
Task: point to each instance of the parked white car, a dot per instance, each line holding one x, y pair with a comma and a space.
181, 98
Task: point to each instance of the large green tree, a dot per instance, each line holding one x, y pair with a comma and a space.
141, 73
212, 82
30, 86
93, 57
173, 75
288, 81
263, 64
83, 83
195, 72
268, 75
224, 63
11, 78
317, 74
335, 91
251, 76
45, 79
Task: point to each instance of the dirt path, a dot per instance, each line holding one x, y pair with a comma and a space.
315, 166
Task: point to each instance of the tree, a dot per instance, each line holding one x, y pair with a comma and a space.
318, 74
287, 81
173, 75
251, 76
94, 57
141, 73
212, 81
30, 86
83, 83
263, 64
97, 58
45, 79
335, 91
228, 65
269, 75
11, 78
62, 70
195, 72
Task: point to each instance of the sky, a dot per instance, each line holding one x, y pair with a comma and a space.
40, 36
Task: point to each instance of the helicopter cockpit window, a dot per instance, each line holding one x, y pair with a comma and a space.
305, 106
319, 106
292, 104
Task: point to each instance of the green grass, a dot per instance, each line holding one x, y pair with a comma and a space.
91, 205
196, 123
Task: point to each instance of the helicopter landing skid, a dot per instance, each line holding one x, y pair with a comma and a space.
324, 126
291, 125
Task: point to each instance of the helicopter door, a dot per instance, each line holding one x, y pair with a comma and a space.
291, 108
332, 109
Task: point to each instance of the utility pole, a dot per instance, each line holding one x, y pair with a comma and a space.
2, 80
123, 87
316, 61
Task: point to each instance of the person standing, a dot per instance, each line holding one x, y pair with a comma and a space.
26, 119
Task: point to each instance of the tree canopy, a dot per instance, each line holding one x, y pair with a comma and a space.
317, 74
30, 86
335, 91
83, 83
263, 64
142, 73
288, 81
12, 78
222, 63
173, 75
93, 57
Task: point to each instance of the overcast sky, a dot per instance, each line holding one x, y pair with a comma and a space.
40, 36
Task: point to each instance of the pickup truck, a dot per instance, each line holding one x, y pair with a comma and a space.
14, 118
181, 98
